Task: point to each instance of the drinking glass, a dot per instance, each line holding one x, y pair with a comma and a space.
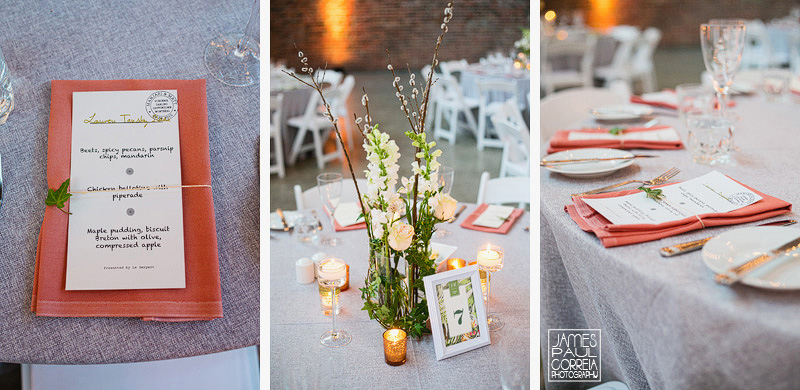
722, 42
6, 92
445, 181
329, 186
306, 227
490, 260
234, 58
333, 274
775, 83
693, 99
710, 135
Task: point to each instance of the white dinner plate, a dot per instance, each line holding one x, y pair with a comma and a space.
275, 219
618, 112
734, 248
590, 169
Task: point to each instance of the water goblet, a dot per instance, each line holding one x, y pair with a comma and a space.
329, 186
234, 58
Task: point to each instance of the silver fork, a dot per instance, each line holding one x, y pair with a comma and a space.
655, 181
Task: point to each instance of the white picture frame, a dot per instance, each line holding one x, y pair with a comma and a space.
448, 295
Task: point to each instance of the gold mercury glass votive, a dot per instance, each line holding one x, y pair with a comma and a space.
394, 347
455, 263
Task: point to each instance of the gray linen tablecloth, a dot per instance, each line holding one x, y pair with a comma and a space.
665, 323
298, 360
136, 39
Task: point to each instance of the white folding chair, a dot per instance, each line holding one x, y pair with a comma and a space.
515, 160
487, 89
453, 68
314, 122
275, 138
450, 102
643, 65
620, 67
339, 108
572, 106
583, 47
757, 48
310, 198
504, 190
235, 370
330, 76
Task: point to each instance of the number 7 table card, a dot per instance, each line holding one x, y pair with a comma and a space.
707, 194
126, 223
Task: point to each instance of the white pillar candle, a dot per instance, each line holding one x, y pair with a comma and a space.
317, 257
304, 268
332, 270
490, 257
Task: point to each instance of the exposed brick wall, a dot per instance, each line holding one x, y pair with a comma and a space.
679, 20
408, 28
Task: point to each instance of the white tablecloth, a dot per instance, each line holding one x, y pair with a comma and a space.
477, 72
297, 360
665, 323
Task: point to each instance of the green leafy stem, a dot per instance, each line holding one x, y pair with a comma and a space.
652, 193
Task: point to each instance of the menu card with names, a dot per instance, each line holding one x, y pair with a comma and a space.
707, 194
126, 223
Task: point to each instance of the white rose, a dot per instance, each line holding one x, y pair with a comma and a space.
400, 235
446, 208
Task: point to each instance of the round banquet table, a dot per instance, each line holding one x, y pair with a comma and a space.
124, 40
665, 323
298, 360
475, 73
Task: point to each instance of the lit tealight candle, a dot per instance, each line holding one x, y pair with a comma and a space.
394, 347
333, 269
455, 263
490, 257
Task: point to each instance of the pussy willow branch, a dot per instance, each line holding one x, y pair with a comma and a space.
334, 122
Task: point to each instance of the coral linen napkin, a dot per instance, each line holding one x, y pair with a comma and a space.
663, 137
503, 229
611, 235
201, 299
663, 99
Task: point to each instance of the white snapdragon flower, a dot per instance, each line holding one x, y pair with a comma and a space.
378, 220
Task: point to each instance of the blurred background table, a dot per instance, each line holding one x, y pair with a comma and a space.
140, 39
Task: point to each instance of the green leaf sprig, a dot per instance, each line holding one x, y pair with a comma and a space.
616, 130
652, 193
59, 196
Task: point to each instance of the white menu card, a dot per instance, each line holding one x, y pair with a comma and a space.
707, 194
127, 232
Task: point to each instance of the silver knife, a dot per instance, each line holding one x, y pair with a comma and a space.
547, 163
460, 210
692, 246
735, 274
286, 227
319, 224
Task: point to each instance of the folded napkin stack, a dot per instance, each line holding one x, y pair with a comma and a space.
507, 217
611, 235
657, 137
663, 99
201, 299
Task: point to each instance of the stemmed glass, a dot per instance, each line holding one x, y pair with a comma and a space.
490, 259
234, 58
329, 186
332, 274
722, 41
445, 181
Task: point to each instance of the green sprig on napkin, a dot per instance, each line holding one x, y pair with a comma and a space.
59, 196
654, 194
616, 130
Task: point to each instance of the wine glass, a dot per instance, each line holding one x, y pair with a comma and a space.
490, 260
329, 186
234, 58
332, 274
722, 41
445, 181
